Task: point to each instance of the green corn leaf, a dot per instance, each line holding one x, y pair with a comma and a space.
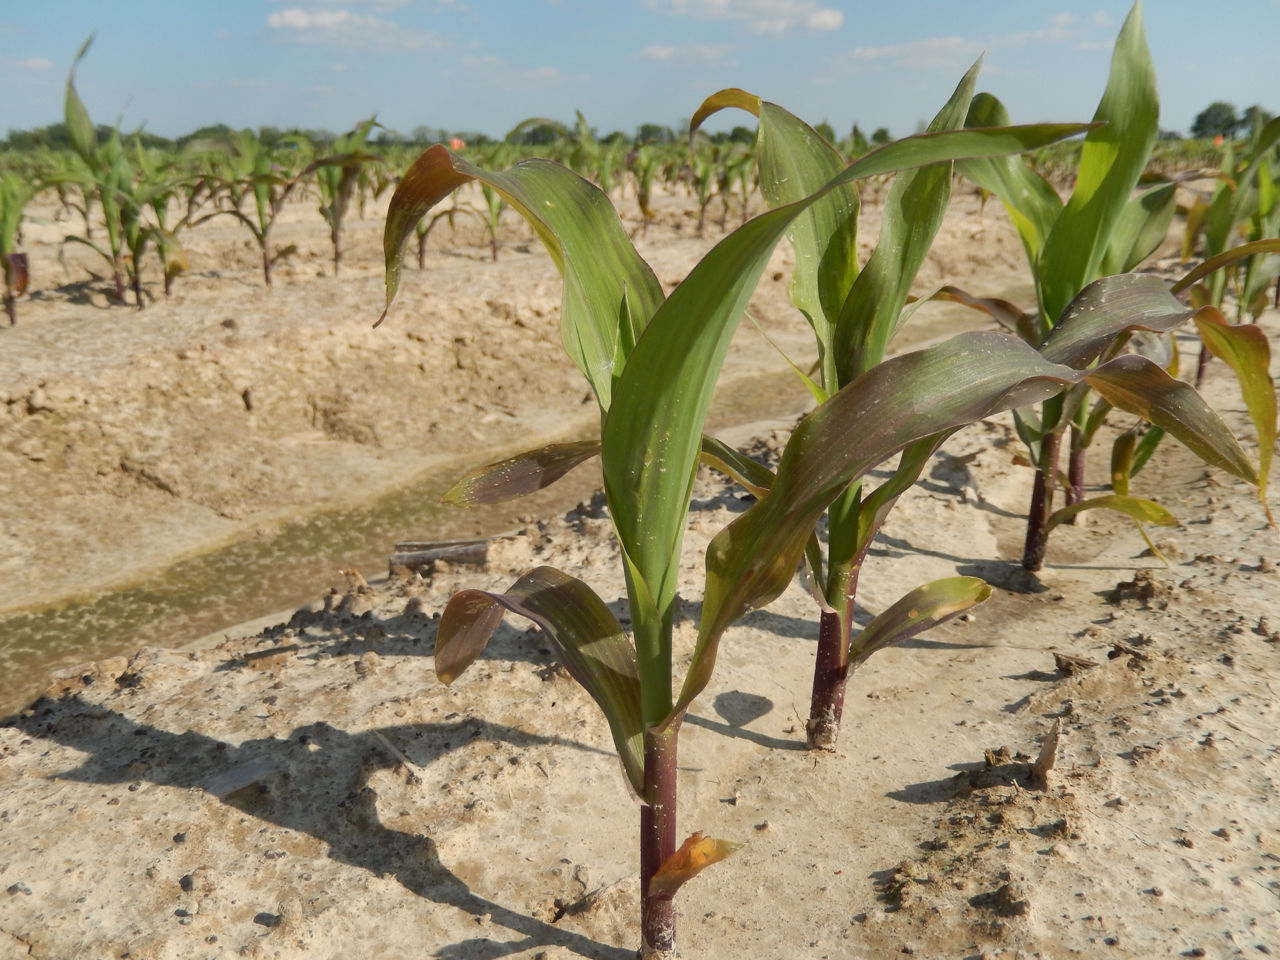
1141, 228
80, 129
652, 434
876, 505
794, 162
900, 401
1143, 511
1195, 217
917, 202
1030, 199
1139, 386
1225, 259
1146, 447
756, 477
1246, 350
922, 609
522, 474
1122, 461
1111, 162
584, 634
582, 233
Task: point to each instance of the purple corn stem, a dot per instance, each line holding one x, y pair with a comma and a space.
1041, 504
658, 841
830, 672
1075, 470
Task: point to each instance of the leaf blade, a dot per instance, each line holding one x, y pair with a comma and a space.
584, 634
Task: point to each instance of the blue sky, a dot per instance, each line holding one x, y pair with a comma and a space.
488, 64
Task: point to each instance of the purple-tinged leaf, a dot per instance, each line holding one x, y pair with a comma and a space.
1105, 309
584, 634
522, 474
1009, 315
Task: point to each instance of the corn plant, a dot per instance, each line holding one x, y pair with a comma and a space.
853, 315
652, 362
250, 168
1105, 227
106, 176
337, 175
15, 193
1243, 207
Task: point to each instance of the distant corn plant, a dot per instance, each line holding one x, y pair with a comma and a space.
15, 193
1242, 208
246, 167
337, 176
652, 361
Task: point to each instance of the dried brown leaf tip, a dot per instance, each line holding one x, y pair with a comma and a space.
695, 854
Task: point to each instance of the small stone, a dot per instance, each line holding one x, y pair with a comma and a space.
1156, 891
268, 920
19, 887
187, 883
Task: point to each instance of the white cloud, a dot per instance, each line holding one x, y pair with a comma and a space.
702, 54
825, 20
762, 17
36, 63
543, 73
323, 22
658, 53
933, 52
953, 50
296, 18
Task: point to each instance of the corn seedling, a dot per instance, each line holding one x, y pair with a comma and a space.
1105, 227
1243, 207
652, 362
249, 167
106, 177
854, 314
15, 193
337, 175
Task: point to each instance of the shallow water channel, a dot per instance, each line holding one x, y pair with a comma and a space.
295, 563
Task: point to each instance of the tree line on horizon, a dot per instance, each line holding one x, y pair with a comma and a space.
1220, 118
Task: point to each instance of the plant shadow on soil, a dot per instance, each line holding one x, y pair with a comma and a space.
285, 782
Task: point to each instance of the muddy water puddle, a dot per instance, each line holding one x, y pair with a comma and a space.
295, 563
